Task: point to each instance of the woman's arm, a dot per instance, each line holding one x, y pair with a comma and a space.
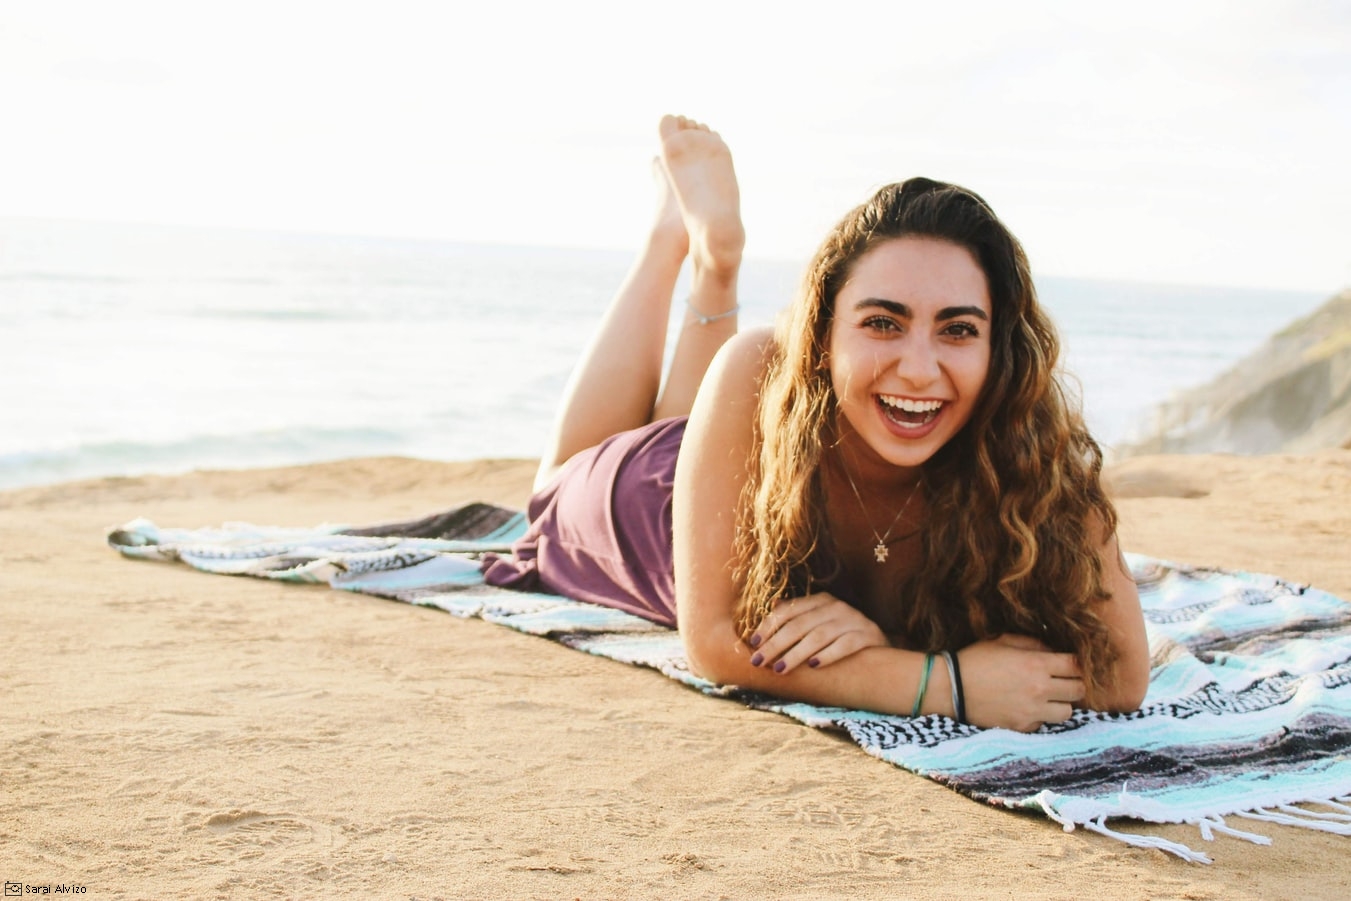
1007, 682
1126, 625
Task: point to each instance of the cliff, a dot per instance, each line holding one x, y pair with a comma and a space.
1292, 395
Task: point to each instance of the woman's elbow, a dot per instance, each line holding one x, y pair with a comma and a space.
714, 654
1127, 691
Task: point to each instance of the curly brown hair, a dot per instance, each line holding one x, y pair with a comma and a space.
1017, 514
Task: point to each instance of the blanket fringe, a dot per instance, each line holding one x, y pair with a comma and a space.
1148, 841
1210, 825
1336, 819
1045, 800
1342, 806
1286, 815
1343, 816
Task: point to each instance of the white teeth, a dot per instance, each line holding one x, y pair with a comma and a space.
911, 406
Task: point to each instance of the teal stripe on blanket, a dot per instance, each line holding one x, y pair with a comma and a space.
1248, 710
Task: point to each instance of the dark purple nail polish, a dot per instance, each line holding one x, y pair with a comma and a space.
755, 641
757, 659
813, 663
780, 667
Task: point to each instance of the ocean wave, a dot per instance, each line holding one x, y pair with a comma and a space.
273, 447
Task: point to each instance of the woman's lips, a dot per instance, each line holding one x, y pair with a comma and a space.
909, 418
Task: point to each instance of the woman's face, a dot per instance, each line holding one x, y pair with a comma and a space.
909, 348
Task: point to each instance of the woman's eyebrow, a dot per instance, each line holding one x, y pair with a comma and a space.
953, 312
902, 310
891, 306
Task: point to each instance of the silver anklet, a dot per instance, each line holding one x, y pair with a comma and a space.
705, 320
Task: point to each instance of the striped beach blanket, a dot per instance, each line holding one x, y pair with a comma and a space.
1248, 713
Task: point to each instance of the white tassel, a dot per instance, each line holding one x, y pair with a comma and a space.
1206, 833
1300, 811
1210, 825
1304, 820
1148, 841
1044, 799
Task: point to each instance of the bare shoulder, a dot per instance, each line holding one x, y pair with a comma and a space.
725, 408
741, 363
722, 419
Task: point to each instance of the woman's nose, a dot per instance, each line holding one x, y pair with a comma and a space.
918, 363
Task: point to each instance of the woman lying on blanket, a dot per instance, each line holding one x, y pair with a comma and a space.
887, 503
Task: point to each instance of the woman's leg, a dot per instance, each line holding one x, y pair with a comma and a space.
700, 168
617, 385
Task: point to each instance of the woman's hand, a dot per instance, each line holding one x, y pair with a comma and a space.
816, 630
1015, 682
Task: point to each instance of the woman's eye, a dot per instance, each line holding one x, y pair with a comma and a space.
963, 330
880, 324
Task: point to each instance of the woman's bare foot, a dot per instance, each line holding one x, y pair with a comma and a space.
699, 167
668, 229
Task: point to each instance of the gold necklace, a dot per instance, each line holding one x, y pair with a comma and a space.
880, 551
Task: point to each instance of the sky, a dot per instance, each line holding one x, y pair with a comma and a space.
1187, 142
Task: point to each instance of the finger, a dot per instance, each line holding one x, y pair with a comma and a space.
1051, 712
1056, 712
1064, 666
791, 633
841, 637
813, 630
1070, 691
842, 647
783, 612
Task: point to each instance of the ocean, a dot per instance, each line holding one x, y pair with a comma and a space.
131, 349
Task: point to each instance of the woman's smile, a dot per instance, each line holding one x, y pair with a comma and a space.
909, 414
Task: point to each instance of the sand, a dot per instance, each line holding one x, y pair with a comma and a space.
170, 734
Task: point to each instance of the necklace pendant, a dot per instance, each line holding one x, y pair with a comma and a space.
880, 552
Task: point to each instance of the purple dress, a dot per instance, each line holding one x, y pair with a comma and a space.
601, 530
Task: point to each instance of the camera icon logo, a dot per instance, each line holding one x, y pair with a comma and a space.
13, 889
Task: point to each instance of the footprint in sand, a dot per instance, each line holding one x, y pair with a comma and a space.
241, 828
